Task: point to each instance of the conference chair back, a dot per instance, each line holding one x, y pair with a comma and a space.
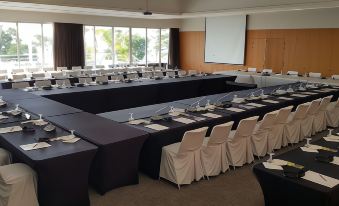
39, 75
314, 75
246, 127
19, 76
20, 85
192, 140
43, 83
251, 69
220, 133
293, 73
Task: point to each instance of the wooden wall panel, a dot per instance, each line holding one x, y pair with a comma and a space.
304, 50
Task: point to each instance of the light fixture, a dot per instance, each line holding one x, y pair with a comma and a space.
147, 12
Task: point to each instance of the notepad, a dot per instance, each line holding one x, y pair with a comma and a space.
335, 161
332, 139
35, 146
37, 122
307, 149
299, 95
10, 129
138, 121
233, 109
310, 93
211, 115
156, 127
279, 162
71, 141
320, 179
271, 166
270, 101
255, 105
285, 98
184, 120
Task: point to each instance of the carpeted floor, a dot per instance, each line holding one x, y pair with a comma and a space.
234, 188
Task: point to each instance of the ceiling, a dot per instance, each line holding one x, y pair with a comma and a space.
165, 9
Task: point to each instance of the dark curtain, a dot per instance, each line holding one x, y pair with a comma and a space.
68, 45
173, 53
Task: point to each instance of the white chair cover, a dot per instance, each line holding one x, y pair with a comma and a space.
181, 162
74, 73
132, 76
252, 69
238, 144
88, 72
260, 134
170, 73
61, 68
192, 72
20, 85
213, 152
100, 66
117, 77
76, 67
19, 76
147, 74
182, 72
39, 75
16, 71
293, 73
5, 157
33, 70
332, 114
307, 124
267, 71
314, 75
158, 74
57, 74
18, 186
335, 77
85, 80
292, 130
320, 116
101, 79
3, 77
61, 82
43, 83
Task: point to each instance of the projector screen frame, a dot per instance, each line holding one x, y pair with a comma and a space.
245, 44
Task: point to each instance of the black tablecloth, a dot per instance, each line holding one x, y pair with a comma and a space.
116, 162
104, 98
62, 169
280, 190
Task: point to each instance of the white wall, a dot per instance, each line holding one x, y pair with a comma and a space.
40, 17
317, 18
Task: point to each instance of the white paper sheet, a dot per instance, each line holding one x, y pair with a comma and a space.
235, 109
331, 139
285, 98
271, 166
35, 146
156, 127
299, 95
255, 105
320, 179
335, 161
270, 101
307, 149
211, 115
10, 129
184, 120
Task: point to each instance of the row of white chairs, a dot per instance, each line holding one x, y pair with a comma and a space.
294, 73
18, 182
197, 156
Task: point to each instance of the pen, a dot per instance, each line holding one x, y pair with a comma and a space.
322, 177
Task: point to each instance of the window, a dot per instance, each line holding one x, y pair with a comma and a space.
8, 46
138, 46
153, 46
122, 46
26, 45
164, 45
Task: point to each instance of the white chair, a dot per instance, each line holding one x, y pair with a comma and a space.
107, 71
192, 72
73, 73
182, 73
335, 77
292, 130
293, 73
32, 70
307, 124
63, 82
39, 75
132, 76
76, 67
275, 135
238, 144
314, 75
17, 71
147, 75
5, 157
57, 74
88, 72
117, 77
85, 80
320, 116
19, 76
332, 114
3, 77
101, 79
48, 69
18, 185
213, 152
181, 162
61, 68
252, 69
158, 74
170, 73
269, 71
3, 71
43, 83
260, 134
100, 66
88, 67
20, 85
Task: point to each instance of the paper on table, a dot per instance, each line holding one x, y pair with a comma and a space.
271, 166
270, 101
211, 115
138, 121
3, 117
320, 179
210, 107
299, 95
313, 146
285, 98
37, 122
235, 109
34, 146
331, 139
310, 93
279, 162
10, 129
335, 160
156, 127
63, 138
307, 149
174, 114
255, 105
184, 120
74, 140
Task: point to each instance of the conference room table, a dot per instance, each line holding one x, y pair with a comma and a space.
116, 162
62, 169
151, 152
280, 190
117, 96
